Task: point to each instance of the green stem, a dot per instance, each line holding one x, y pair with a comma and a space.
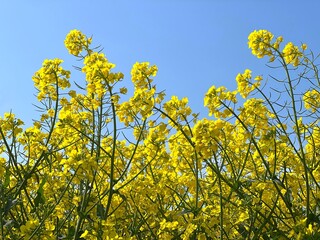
112, 167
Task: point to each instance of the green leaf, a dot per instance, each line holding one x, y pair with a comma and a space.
40, 199
7, 178
71, 231
100, 211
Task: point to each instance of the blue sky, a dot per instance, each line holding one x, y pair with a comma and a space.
195, 44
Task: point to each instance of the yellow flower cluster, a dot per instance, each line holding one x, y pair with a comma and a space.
76, 41
312, 100
98, 75
206, 136
215, 98
251, 171
245, 87
141, 74
144, 97
50, 78
177, 109
27, 228
292, 54
10, 126
255, 114
260, 43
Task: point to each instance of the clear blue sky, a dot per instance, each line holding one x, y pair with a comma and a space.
195, 43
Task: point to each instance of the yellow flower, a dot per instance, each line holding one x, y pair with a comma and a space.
311, 100
177, 109
76, 41
51, 112
277, 42
123, 90
291, 54
304, 46
72, 93
190, 229
83, 235
50, 76
245, 87
141, 74
2, 166
260, 43
214, 99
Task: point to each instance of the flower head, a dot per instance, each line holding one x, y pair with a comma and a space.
260, 43
76, 41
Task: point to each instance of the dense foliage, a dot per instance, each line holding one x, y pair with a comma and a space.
97, 165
